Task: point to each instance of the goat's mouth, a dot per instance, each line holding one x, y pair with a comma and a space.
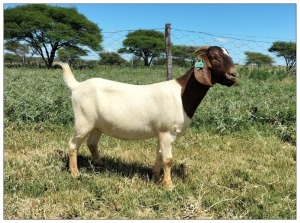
229, 82
230, 79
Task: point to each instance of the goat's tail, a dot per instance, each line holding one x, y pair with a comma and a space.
68, 76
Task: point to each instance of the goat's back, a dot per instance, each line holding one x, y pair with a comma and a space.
129, 111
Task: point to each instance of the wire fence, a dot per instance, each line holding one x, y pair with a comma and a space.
236, 45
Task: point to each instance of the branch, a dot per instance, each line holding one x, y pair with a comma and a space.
35, 46
46, 50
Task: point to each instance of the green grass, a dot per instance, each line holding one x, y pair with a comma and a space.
231, 164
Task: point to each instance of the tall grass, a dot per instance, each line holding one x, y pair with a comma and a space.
39, 96
237, 161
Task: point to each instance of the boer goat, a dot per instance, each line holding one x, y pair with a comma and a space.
130, 112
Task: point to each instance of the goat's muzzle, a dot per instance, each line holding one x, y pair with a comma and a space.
230, 79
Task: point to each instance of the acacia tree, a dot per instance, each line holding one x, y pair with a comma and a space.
258, 59
111, 58
287, 50
183, 54
20, 50
48, 28
70, 54
146, 44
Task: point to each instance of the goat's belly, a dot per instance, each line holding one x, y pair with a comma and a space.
129, 133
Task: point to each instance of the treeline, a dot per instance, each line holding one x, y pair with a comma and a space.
106, 58
54, 32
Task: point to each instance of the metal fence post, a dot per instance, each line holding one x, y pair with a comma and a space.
168, 51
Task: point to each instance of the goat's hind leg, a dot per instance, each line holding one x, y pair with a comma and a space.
92, 142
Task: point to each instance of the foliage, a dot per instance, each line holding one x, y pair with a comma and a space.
20, 50
286, 50
36, 100
267, 104
146, 44
48, 28
11, 58
32, 98
258, 59
183, 55
111, 58
70, 54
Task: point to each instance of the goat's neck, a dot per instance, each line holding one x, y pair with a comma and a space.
192, 92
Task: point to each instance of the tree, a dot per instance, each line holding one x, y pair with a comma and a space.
20, 50
183, 54
146, 44
137, 62
70, 54
111, 58
258, 59
10, 58
49, 28
286, 50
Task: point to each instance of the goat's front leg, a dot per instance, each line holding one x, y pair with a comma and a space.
164, 157
157, 165
74, 145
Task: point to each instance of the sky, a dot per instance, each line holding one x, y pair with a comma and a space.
264, 23
270, 20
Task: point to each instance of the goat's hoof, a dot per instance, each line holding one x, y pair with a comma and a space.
96, 163
75, 174
157, 178
168, 185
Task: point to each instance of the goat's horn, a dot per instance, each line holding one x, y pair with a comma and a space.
201, 48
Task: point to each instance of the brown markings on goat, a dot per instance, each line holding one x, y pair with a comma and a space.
192, 92
203, 75
73, 163
167, 164
223, 70
218, 68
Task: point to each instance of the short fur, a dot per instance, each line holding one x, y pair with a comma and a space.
124, 111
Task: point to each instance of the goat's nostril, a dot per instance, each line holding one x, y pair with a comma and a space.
235, 75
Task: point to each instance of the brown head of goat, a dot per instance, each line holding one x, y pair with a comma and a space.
217, 67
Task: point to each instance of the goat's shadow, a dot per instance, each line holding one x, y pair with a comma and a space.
116, 165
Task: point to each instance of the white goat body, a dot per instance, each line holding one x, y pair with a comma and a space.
163, 110
127, 111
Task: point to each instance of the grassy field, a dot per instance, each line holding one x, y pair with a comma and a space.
237, 161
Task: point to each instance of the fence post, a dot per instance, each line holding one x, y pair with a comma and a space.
168, 51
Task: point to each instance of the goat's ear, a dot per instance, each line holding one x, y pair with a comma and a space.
203, 56
203, 74
201, 49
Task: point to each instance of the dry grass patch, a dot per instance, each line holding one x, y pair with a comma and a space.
245, 176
